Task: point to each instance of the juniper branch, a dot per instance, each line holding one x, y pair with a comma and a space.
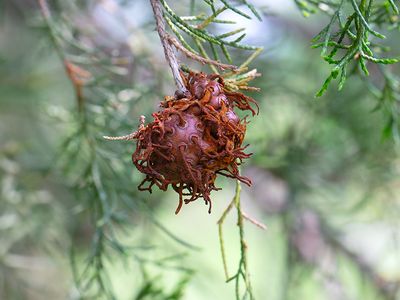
352, 39
168, 51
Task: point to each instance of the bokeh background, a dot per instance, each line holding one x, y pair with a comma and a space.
326, 177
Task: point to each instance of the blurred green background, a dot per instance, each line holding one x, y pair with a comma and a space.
325, 179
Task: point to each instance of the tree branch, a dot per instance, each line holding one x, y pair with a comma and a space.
168, 51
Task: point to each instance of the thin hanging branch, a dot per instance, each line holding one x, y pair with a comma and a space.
168, 51
76, 74
243, 270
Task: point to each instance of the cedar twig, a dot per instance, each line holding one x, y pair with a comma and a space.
243, 269
221, 240
199, 58
168, 51
127, 137
130, 136
254, 221
242, 272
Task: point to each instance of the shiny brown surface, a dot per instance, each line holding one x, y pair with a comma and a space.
192, 139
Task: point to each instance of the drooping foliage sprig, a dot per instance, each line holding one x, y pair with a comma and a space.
353, 42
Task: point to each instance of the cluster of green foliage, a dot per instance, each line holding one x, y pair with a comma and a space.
352, 42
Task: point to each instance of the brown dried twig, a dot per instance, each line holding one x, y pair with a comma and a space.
130, 136
168, 51
77, 75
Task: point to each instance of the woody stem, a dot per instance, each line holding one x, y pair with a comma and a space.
168, 51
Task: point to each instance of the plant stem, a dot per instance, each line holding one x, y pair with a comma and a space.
168, 51
221, 238
242, 272
243, 245
70, 69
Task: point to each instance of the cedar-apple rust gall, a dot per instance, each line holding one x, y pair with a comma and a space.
193, 138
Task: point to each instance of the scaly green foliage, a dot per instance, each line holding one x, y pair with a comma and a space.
352, 44
352, 40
